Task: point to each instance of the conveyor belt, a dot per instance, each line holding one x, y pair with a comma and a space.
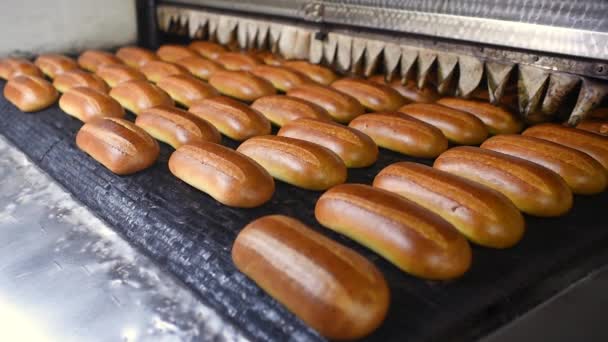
191, 235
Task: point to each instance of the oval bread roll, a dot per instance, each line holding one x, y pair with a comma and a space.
53, 64
30, 93
230, 177
208, 50
270, 58
534, 189
583, 174
459, 127
483, 215
13, 67
342, 107
373, 96
171, 53
414, 239
282, 79
317, 73
237, 61
176, 127
136, 96
114, 74
409, 90
354, 147
402, 133
118, 144
287, 259
590, 143
79, 78
241, 85
157, 70
496, 119
594, 126
186, 90
281, 109
135, 56
86, 104
297, 162
199, 66
92, 59
232, 118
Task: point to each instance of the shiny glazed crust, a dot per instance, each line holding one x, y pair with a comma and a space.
297, 162
30, 93
156, 70
409, 90
79, 78
208, 50
373, 96
497, 119
317, 73
283, 79
594, 126
342, 107
115, 74
533, 188
483, 215
118, 145
237, 61
13, 67
459, 127
228, 176
335, 290
241, 85
281, 109
186, 90
199, 66
355, 148
171, 53
53, 65
414, 239
402, 133
92, 59
87, 104
176, 127
135, 56
136, 96
232, 118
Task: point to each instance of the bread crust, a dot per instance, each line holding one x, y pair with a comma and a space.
281, 109
90, 60
136, 96
135, 56
497, 119
317, 73
79, 78
53, 64
241, 85
87, 104
30, 93
342, 107
373, 96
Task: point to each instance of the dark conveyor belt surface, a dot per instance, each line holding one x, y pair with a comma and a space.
191, 235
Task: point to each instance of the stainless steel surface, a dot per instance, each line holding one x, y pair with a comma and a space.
66, 276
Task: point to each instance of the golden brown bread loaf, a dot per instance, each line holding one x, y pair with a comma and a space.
241, 85
317, 73
185, 89
355, 148
270, 58
86, 104
156, 70
53, 64
402, 133
118, 144
414, 239
230, 177
237, 61
533, 188
12, 67
30, 93
297, 162
199, 66
459, 127
208, 50
92, 59
373, 96
281, 109
287, 259
171, 53
409, 90
594, 145
282, 78
594, 126
232, 118
483, 215
79, 78
136, 96
114, 74
342, 107
496, 119
135, 56
583, 174
176, 127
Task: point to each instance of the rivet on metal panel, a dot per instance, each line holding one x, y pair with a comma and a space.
357, 58
252, 33
329, 48
302, 46
560, 86
497, 76
426, 59
225, 29
274, 34
373, 49
408, 58
592, 93
530, 85
287, 41
344, 52
262, 38
470, 70
392, 56
241, 33
446, 64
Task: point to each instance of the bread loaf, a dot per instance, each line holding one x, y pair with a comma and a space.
355, 148
594, 126
287, 259
53, 64
118, 144
30, 93
156, 70
199, 66
136, 96
79, 78
228, 176
414, 239
317, 73
342, 107
409, 90
86, 104
186, 90
497, 119
483, 215
237, 61
270, 58
283, 79
92, 59
241, 85
281, 109
373, 96
402, 133
135, 56
12, 67
208, 50
232, 118
533, 188
114, 74
297, 162
171, 53
176, 127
